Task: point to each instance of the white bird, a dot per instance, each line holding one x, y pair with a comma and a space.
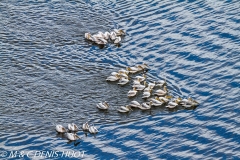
156, 102
103, 105
85, 126
106, 35
146, 94
146, 106
72, 136
124, 75
73, 127
101, 41
136, 82
160, 83
117, 40
147, 89
119, 32
113, 78
141, 87
143, 66
123, 81
161, 92
134, 69
151, 85
113, 36
88, 36
124, 109
114, 74
172, 104
60, 129
93, 130
164, 99
123, 71
187, 103
134, 104
132, 93
141, 78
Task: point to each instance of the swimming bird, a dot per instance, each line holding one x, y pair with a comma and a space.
152, 85
171, 104
119, 32
156, 102
73, 127
117, 40
146, 94
124, 109
123, 71
113, 36
60, 129
114, 74
161, 92
136, 82
161, 83
113, 78
92, 129
164, 99
72, 136
100, 41
106, 35
103, 105
141, 78
132, 93
88, 36
147, 89
85, 126
134, 69
187, 103
146, 106
122, 81
134, 104
141, 87
124, 75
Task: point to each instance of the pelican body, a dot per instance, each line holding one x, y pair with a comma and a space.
103, 105
60, 129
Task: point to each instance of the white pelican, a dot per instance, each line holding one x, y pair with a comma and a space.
146, 94
60, 129
146, 106
123, 81
124, 109
134, 104
72, 136
93, 130
161, 92
103, 105
113, 36
132, 93
113, 78
160, 83
141, 78
117, 40
140, 87
156, 102
73, 127
172, 104
85, 126
119, 32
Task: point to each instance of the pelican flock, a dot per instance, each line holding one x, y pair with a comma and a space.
140, 86
148, 89
101, 38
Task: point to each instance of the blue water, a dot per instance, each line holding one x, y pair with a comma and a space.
49, 74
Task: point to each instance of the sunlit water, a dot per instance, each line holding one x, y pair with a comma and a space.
49, 74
